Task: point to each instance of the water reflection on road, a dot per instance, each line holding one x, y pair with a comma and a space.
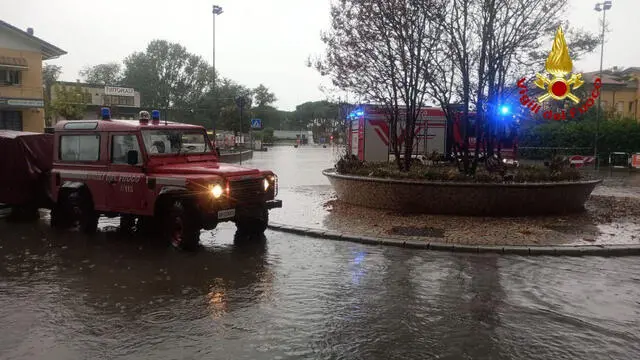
69, 296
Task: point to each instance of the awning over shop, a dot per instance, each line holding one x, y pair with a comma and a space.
13, 62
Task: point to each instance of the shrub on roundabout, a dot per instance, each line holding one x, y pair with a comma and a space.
557, 171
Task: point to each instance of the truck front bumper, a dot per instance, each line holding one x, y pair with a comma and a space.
272, 204
211, 217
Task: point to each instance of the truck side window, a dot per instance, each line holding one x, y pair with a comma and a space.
79, 148
120, 145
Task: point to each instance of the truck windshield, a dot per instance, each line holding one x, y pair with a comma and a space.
163, 142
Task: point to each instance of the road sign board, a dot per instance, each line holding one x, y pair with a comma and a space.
256, 123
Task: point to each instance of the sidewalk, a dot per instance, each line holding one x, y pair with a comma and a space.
612, 217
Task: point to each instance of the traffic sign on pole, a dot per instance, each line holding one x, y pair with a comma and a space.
256, 123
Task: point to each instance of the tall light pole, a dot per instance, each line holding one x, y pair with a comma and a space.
603, 6
217, 10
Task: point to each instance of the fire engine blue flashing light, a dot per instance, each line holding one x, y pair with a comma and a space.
504, 110
106, 114
356, 113
155, 115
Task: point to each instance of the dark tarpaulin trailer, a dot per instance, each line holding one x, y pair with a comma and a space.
26, 160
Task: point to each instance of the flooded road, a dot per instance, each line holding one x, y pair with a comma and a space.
69, 296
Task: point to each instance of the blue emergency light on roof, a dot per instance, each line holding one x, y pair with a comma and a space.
155, 115
504, 110
106, 113
356, 113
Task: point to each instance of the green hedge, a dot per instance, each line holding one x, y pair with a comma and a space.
576, 137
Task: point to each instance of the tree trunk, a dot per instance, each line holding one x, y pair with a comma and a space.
408, 142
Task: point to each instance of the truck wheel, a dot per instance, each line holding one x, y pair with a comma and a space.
75, 209
181, 229
253, 221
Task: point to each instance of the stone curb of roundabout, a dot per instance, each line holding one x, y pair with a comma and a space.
462, 198
555, 250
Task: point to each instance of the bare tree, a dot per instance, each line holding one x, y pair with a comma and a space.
491, 44
379, 50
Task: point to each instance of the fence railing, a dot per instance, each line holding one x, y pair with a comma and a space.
546, 153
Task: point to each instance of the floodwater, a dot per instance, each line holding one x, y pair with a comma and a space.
70, 296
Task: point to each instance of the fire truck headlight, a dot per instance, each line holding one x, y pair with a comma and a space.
266, 184
216, 191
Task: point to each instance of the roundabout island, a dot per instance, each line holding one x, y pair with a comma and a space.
536, 211
462, 197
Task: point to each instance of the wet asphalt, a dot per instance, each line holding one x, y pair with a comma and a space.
65, 295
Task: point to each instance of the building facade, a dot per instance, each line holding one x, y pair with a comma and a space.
21, 90
124, 102
620, 91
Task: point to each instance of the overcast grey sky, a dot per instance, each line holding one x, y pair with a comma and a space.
257, 41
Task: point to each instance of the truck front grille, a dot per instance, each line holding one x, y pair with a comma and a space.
246, 191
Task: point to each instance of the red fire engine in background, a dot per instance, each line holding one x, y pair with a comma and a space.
368, 134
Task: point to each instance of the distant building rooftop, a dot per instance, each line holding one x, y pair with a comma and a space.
48, 50
614, 77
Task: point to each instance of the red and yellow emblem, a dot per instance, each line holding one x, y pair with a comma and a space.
556, 84
559, 64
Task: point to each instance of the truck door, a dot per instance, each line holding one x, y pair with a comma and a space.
127, 183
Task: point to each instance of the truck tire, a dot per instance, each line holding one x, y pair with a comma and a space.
180, 228
75, 209
253, 221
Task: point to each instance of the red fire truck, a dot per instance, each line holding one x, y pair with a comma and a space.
153, 174
369, 133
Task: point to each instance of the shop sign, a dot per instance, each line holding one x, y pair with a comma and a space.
13, 61
118, 91
22, 103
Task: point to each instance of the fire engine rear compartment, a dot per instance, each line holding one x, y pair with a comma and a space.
369, 135
25, 168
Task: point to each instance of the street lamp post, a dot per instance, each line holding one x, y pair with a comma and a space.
603, 6
217, 10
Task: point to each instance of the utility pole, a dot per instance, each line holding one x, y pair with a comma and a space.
604, 6
217, 10
241, 102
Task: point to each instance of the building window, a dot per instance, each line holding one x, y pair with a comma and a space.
11, 120
88, 99
118, 100
10, 77
126, 100
79, 148
620, 106
630, 106
120, 145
